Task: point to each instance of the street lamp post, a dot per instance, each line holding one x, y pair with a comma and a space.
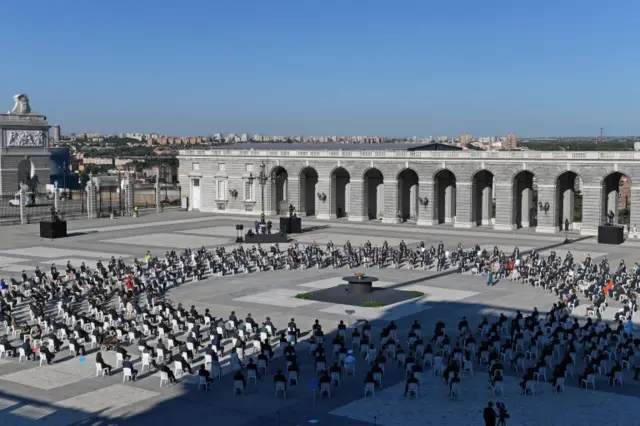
262, 180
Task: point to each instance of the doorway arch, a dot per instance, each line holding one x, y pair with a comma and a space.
373, 185
308, 181
524, 200
568, 200
340, 192
408, 194
482, 212
280, 190
444, 183
615, 198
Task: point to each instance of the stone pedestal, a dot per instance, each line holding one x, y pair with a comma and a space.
129, 196
92, 199
158, 200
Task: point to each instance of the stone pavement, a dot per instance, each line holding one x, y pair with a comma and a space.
68, 393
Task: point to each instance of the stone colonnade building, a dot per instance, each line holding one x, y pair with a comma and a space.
429, 184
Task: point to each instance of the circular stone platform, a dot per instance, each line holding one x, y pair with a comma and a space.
360, 284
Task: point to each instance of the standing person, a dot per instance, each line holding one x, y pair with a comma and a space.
489, 415
503, 414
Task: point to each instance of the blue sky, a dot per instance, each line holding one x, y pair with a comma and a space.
396, 68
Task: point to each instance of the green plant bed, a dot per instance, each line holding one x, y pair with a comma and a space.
373, 304
415, 293
304, 296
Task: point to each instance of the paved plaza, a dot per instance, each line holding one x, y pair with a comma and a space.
68, 393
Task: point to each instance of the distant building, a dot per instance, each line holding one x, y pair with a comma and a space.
510, 142
465, 138
56, 133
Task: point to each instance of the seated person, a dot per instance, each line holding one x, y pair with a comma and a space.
410, 379
126, 363
280, 378
202, 372
103, 365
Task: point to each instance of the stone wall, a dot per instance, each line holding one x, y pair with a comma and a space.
235, 170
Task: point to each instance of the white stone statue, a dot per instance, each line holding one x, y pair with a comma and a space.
21, 105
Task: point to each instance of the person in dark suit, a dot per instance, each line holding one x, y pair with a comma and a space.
164, 369
128, 364
103, 365
489, 415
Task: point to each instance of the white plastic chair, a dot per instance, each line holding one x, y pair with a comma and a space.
22, 355
335, 378
238, 387
369, 390
252, 375
164, 378
146, 361
43, 358
203, 384
119, 359
413, 391
127, 374
101, 371
617, 378
498, 388
281, 388
177, 369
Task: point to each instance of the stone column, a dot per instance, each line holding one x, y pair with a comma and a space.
92, 199
634, 205
358, 201
526, 203
612, 204
592, 207
449, 199
487, 205
323, 208
292, 194
129, 196
56, 195
390, 200
302, 196
463, 208
427, 215
547, 222
158, 199
23, 201
568, 206
505, 215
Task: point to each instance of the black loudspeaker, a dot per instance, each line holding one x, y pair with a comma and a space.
239, 227
610, 234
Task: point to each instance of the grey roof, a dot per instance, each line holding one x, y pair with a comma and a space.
332, 146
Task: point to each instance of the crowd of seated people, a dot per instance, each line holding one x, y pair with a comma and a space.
86, 306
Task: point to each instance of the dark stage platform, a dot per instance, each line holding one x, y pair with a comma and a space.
266, 238
341, 295
360, 284
291, 225
610, 234
53, 229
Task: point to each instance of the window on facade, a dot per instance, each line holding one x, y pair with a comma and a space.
222, 167
248, 191
196, 182
196, 167
222, 190
248, 167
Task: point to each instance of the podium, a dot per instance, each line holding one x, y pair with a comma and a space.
610, 234
53, 229
291, 225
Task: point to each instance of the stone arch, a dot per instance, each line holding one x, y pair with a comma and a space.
444, 196
568, 194
616, 198
340, 192
408, 191
482, 199
279, 190
373, 193
524, 199
307, 181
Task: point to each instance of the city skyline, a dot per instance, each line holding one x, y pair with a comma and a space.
396, 70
